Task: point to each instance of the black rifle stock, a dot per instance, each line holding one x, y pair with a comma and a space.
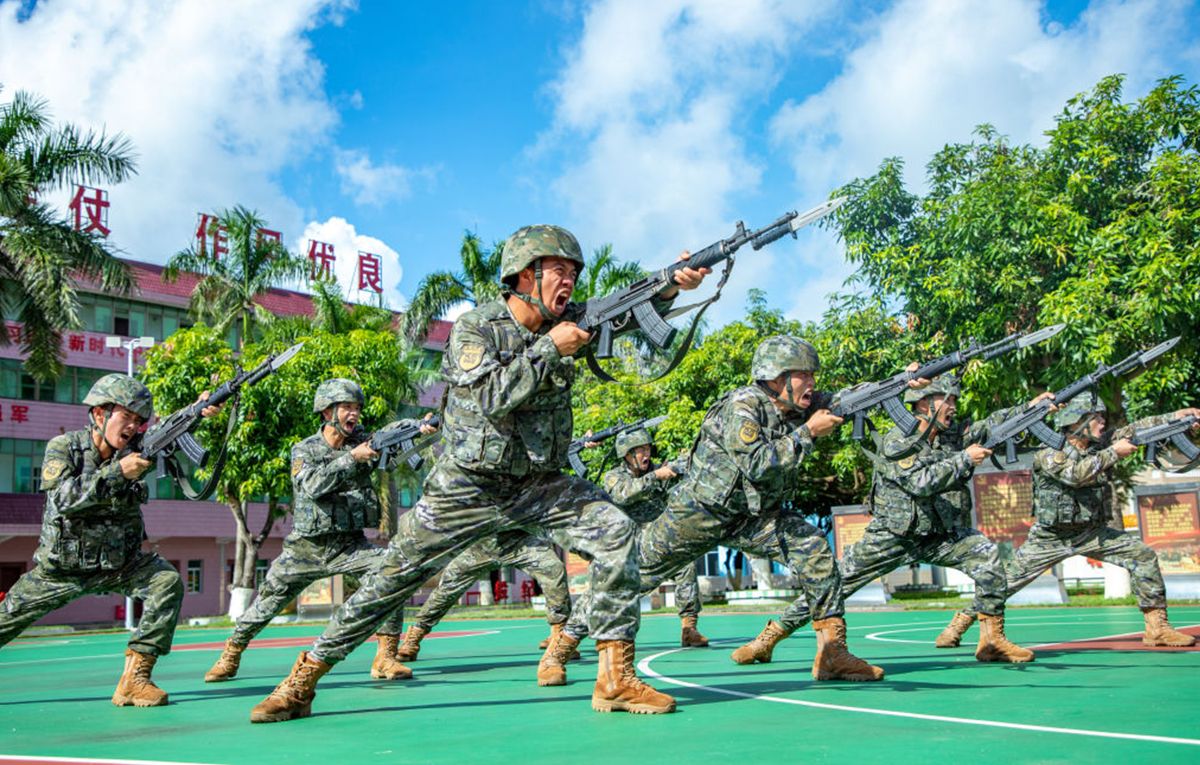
858, 401
577, 446
406, 440
174, 433
630, 307
1032, 418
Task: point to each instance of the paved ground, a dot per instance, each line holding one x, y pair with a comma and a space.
1093, 694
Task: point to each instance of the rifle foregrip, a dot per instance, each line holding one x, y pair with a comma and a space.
858, 433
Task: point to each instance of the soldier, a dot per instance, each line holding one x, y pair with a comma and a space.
333, 502
642, 494
917, 505
742, 470
92, 534
535, 556
1072, 503
507, 428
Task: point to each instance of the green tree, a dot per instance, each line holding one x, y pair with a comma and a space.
603, 274
477, 281
276, 413
41, 254
1097, 229
229, 284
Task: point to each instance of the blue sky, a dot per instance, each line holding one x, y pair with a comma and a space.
393, 127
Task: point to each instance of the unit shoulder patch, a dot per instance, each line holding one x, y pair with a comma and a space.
908, 462
748, 432
297, 466
470, 356
53, 469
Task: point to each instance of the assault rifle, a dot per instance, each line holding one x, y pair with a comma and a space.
1031, 418
856, 402
406, 439
630, 307
174, 434
578, 445
1176, 432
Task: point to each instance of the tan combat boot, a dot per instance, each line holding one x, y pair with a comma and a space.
951, 637
1160, 632
411, 645
552, 669
689, 636
554, 629
994, 646
227, 665
386, 666
760, 648
619, 689
292, 698
135, 688
833, 660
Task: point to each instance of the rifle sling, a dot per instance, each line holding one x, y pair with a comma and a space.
685, 346
175, 470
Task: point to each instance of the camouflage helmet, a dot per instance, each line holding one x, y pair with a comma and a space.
532, 243
782, 353
632, 439
1078, 409
122, 390
339, 390
943, 385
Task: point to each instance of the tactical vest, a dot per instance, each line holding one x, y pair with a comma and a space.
904, 513
533, 437
97, 539
352, 507
1056, 504
643, 510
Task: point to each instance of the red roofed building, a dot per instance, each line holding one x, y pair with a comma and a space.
198, 537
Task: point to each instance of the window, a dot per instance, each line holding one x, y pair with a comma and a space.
10, 378
194, 579
103, 321
21, 465
260, 572
121, 326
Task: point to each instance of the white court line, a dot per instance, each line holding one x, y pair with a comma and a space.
876, 635
39, 758
644, 668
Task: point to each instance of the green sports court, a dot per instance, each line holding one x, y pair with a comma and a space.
1094, 693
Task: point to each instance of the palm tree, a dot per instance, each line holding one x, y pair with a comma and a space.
477, 282
40, 253
229, 285
603, 274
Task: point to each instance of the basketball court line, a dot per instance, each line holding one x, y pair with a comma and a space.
645, 668
17, 759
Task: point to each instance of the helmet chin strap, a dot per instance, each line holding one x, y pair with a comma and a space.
336, 422
1082, 430
536, 300
103, 428
789, 402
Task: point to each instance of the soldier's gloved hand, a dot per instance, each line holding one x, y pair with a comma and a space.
1124, 448
363, 452
1043, 397
133, 465
977, 454
427, 428
568, 338
821, 423
665, 473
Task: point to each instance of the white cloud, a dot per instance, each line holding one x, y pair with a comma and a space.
347, 244
647, 118
373, 184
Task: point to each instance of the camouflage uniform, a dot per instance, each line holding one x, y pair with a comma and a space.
92, 534
920, 506
507, 426
517, 549
334, 500
1072, 504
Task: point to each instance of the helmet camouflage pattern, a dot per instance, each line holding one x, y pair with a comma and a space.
945, 385
782, 353
339, 390
632, 439
1077, 409
531, 243
122, 390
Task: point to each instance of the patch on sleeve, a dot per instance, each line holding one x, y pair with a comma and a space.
748, 432
908, 462
53, 469
1060, 458
297, 466
470, 356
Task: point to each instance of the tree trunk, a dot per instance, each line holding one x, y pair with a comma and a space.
241, 589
